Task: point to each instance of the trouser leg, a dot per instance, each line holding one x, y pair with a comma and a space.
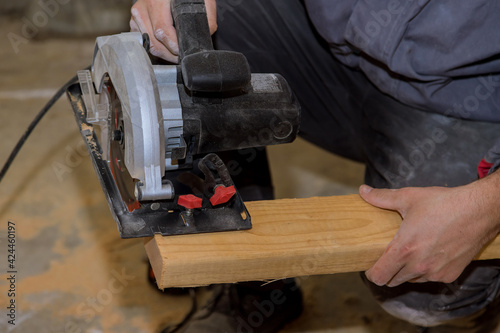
401, 146
470, 304
413, 148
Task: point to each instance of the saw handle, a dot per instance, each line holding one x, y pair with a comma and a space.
203, 68
191, 24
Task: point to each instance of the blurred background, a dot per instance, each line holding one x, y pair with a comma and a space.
74, 272
69, 18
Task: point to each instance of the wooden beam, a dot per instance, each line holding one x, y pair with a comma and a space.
290, 237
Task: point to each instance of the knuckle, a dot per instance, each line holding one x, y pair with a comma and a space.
134, 11
405, 251
159, 34
422, 269
153, 49
132, 25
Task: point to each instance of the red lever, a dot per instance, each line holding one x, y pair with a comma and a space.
189, 201
222, 194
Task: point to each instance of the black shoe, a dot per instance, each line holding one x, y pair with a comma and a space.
247, 308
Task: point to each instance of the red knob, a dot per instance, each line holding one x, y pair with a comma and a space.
189, 201
222, 195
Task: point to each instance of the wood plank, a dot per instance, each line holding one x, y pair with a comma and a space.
290, 237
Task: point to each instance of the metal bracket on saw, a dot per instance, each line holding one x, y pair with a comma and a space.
166, 217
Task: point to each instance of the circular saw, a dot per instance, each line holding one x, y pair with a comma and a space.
152, 130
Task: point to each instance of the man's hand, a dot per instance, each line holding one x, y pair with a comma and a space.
155, 18
443, 229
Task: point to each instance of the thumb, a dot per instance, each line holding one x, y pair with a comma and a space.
382, 198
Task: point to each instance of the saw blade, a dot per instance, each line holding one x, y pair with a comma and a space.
123, 179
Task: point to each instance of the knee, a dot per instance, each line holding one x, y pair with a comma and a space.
433, 304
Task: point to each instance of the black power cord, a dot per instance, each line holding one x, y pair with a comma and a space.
35, 122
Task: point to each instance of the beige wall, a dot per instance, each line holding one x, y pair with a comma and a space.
68, 17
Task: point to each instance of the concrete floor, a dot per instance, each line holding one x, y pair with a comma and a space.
74, 272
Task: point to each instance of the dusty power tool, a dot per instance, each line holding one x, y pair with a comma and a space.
152, 130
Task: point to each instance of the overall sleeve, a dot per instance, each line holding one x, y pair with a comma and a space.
439, 56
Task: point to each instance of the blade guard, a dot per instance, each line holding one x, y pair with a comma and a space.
123, 60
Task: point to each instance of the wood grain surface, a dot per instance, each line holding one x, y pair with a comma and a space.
290, 237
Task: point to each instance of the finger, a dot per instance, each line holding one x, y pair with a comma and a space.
419, 280
211, 15
447, 273
162, 25
406, 274
139, 21
430, 270
133, 26
383, 198
386, 267
141, 18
